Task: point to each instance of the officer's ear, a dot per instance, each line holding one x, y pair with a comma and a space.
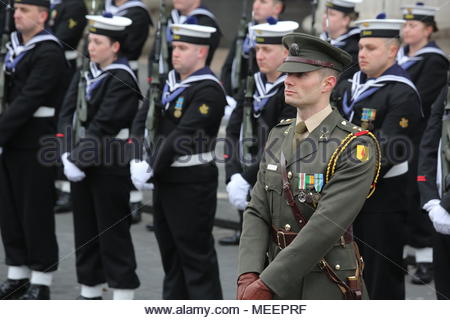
329, 79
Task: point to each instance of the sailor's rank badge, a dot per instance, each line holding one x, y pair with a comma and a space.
204, 109
404, 123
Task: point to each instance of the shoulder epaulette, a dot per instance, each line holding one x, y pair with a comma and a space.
285, 122
349, 127
331, 167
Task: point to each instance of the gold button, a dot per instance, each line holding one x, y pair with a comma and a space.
337, 267
290, 175
287, 227
267, 188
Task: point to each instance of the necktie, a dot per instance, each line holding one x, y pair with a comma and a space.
300, 133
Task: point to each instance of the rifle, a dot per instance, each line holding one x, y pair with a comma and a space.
236, 80
247, 128
81, 108
444, 97
157, 73
5, 34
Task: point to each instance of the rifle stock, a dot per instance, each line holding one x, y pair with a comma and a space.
81, 108
157, 74
236, 80
247, 130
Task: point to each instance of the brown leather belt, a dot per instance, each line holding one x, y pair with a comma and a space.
283, 238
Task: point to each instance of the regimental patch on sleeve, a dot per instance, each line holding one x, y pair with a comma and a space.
72, 23
362, 153
404, 123
204, 109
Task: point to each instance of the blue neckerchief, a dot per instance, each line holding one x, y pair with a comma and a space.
110, 6
362, 87
174, 88
179, 19
340, 41
95, 76
249, 41
17, 51
262, 95
407, 62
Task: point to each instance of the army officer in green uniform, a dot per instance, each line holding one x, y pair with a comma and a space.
316, 173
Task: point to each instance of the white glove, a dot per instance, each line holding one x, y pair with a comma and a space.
431, 204
140, 173
72, 172
441, 219
238, 189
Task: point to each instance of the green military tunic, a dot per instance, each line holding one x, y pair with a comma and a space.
294, 272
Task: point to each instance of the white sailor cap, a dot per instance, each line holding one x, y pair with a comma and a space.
273, 31
345, 6
419, 12
192, 33
108, 25
380, 27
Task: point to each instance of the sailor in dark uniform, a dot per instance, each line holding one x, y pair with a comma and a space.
137, 34
183, 170
427, 66
336, 21
67, 22
261, 11
193, 12
268, 109
189, 12
434, 189
381, 98
35, 70
97, 165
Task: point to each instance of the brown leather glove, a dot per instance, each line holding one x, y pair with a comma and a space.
244, 281
257, 291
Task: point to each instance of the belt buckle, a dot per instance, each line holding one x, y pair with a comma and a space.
278, 239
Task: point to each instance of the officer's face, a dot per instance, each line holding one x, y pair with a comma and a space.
416, 32
262, 9
186, 57
337, 21
269, 57
303, 90
27, 18
101, 49
376, 55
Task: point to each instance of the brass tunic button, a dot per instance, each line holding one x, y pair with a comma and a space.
290, 175
337, 267
266, 187
287, 227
